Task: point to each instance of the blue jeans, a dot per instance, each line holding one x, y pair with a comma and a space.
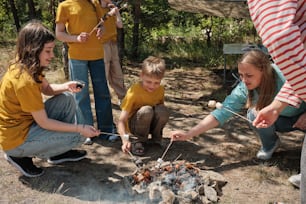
268, 136
44, 143
79, 70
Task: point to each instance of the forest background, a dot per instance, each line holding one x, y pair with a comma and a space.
151, 27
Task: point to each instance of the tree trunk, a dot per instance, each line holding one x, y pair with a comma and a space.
120, 40
32, 11
15, 14
136, 18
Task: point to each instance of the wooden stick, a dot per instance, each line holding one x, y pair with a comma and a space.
95, 27
237, 114
108, 133
131, 155
166, 149
177, 157
104, 18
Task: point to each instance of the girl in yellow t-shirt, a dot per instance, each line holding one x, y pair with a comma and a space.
30, 127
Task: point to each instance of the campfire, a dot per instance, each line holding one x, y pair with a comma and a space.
177, 182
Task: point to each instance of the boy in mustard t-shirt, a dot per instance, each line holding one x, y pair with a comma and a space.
143, 110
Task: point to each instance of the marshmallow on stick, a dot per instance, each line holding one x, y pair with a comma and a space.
211, 103
159, 163
219, 105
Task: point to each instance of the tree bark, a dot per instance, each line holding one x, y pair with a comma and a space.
120, 40
136, 18
15, 14
32, 11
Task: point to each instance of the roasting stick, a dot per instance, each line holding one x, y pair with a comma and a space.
177, 157
130, 153
160, 160
104, 18
110, 133
137, 162
237, 114
165, 152
219, 105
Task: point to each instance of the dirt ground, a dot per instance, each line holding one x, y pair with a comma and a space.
229, 150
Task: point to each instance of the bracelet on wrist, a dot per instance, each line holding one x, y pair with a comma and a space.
125, 137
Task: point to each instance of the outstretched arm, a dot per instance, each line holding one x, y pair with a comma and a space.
43, 121
209, 122
123, 119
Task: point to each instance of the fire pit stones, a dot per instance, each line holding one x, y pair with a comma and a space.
177, 182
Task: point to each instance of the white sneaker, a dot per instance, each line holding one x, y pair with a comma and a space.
295, 180
88, 141
265, 155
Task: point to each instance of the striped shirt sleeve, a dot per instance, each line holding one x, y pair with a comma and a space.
287, 95
281, 24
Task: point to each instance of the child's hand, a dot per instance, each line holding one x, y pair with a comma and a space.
82, 37
75, 86
126, 146
113, 11
88, 130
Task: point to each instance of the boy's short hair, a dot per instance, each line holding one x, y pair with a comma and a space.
154, 67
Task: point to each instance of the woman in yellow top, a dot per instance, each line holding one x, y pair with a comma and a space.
28, 126
143, 110
75, 24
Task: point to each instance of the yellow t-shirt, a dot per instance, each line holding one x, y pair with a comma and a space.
81, 16
137, 96
110, 28
18, 98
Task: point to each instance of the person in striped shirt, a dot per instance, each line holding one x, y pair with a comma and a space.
282, 27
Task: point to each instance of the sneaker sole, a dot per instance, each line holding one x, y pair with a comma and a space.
65, 160
20, 169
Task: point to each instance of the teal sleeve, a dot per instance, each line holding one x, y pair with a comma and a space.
235, 102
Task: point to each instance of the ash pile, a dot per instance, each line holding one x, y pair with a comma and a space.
177, 182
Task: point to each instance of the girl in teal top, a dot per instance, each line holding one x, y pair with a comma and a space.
260, 82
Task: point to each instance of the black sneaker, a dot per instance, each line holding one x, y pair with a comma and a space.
72, 155
24, 165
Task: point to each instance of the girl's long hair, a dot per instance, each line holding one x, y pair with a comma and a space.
266, 89
30, 43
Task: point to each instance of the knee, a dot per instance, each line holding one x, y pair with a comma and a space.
162, 112
69, 99
146, 111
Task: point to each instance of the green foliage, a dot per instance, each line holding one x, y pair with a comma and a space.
163, 31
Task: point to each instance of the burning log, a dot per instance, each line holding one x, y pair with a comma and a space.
179, 182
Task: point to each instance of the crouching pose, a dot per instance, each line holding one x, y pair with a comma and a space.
143, 109
30, 127
260, 82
